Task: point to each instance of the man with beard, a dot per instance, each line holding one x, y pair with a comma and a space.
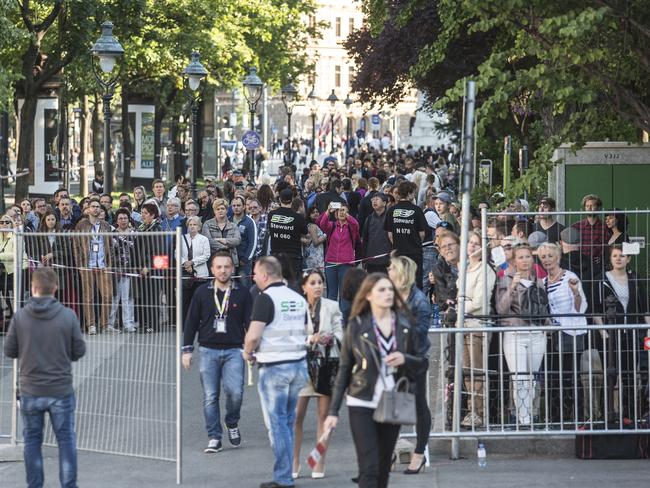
219, 313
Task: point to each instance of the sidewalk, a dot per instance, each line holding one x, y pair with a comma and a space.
251, 464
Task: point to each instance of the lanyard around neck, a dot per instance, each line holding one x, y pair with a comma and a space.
222, 307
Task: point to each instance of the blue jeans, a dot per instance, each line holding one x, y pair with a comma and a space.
334, 276
429, 260
217, 366
245, 270
278, 386
61, 410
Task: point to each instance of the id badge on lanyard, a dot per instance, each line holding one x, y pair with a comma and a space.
221, 312
94, 245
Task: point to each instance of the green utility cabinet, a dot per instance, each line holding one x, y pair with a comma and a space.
618, 172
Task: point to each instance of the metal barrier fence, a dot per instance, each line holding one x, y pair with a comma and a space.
550, 374
543, 381
126, 290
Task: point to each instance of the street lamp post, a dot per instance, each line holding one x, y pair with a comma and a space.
253, 87
108, 50
333, 99
289, 97
193, 74
348, 103
313, 107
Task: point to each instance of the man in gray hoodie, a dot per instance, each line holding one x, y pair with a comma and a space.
46, 338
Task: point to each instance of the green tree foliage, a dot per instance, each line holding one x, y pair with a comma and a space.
45, 39
547, 71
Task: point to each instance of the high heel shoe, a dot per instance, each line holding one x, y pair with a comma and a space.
416, 471
296, 474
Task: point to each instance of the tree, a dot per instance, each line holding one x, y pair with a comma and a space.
547, 72
158, 36
54, 33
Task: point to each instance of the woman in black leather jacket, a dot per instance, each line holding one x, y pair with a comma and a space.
378, 326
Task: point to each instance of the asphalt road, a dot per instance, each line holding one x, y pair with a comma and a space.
251, 464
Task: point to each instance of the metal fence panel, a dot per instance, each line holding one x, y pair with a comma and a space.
552, 379
126, 385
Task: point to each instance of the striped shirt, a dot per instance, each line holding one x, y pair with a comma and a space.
562, 302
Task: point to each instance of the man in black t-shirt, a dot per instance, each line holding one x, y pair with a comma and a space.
406, 225
285, 228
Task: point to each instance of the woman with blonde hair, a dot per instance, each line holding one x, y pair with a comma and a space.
567, 303
222, 234
521, 297
402, 271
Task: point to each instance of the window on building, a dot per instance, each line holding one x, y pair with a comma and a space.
351, 25
337, 76
337, 26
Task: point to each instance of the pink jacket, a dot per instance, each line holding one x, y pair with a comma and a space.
340, 247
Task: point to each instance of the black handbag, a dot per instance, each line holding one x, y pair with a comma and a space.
329, 368
188, 278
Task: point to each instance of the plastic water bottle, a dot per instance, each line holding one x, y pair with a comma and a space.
481, 455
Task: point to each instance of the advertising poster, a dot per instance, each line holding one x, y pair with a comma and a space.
147, 140
50, 145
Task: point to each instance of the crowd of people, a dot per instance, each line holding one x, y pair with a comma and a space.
340, 264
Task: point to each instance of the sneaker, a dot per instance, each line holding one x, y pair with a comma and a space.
131, 329
214, 445
234, 436
92, 330
472, 420
113, 330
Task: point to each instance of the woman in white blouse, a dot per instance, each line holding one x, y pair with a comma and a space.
567, 304
195, 253
325, 328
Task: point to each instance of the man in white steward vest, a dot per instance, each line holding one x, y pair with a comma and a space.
276, 340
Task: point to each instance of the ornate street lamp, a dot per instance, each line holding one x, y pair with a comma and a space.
289, 97
193, 74
348, 103
108, 50
253, 87
313, 101
333, 99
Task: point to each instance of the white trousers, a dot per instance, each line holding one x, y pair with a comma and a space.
524, 352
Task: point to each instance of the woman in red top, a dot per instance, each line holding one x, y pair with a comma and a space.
342, 232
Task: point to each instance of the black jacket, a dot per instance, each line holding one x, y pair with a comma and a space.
365, 207
637, 306
353, 199
445, 289
324, 199
357, 369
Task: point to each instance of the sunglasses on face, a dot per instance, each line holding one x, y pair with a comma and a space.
6, 222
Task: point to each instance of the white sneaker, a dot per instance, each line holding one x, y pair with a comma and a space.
130, 329
472, 420
92, 330
113, 330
